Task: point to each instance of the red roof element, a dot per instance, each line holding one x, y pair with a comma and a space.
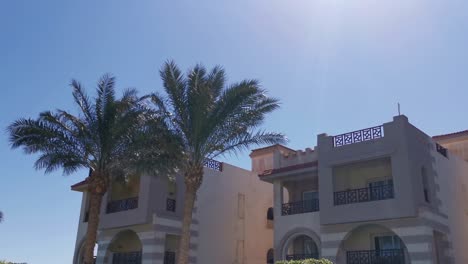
459, 133
81, 183
289, 168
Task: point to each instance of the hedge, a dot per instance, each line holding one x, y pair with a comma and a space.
306, 261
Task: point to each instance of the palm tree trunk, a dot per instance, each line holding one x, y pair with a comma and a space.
93, 224
189, 202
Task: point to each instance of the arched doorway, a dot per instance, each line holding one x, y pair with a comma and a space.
372, 244
125, 248
301, 247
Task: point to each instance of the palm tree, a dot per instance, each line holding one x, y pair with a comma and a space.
210, 119
113, 138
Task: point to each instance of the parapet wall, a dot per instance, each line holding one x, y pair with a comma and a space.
297, 157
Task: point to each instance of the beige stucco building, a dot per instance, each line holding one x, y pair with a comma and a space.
141, 221
389, 194
386, 194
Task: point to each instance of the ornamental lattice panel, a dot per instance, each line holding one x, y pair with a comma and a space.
213, 164
358, 136
170, 205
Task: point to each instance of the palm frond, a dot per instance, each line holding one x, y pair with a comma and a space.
105, 94
246, 140
215, 119
216, 81
83, 101
174, 84
54, 160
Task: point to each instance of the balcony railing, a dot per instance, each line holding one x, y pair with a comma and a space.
389, 256
122, 205
170, 205
213, 164
374, 193
441, 150
127, 258
358, 136
301, 256
300, 207
169, 257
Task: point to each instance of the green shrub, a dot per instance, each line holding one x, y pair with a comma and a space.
305, 261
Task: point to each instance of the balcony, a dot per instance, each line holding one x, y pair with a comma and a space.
373, 193
127, 258
122, 205
301, 207
388, 256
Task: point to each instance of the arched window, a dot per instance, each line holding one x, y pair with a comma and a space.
271, 256
270, 214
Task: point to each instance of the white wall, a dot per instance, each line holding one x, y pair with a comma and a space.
452, 178
82, 226
232, 210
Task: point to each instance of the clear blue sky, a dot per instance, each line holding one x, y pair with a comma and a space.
336, 66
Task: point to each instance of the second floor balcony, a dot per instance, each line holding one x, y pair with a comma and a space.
371, 193
363, 181
300, 207
123, 195
122, 205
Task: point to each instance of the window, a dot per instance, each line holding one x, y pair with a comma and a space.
309, 195
240, 205
270, 256
304, 246
171, 195
425, 185
270, 214
172, 187
380, 189
386, 242
310, 201
378, 183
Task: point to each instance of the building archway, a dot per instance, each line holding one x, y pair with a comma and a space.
125, 248
300, 243
372, 244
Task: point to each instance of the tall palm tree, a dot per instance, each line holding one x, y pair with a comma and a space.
110, 137
210, 119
